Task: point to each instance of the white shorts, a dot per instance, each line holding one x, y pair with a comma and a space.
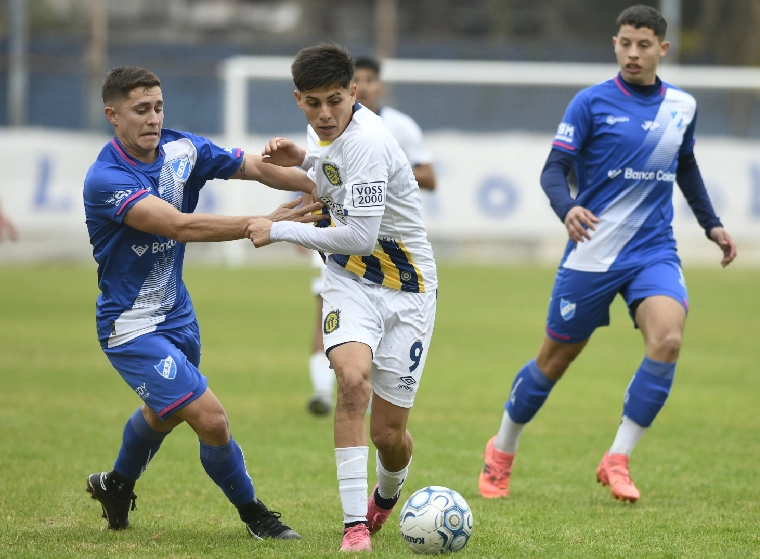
396, 325
318, 268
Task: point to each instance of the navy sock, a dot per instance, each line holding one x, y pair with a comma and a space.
138, 446
648, 391
530, 390
226, 466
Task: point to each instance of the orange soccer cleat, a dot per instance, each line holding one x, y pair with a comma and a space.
613, 471
494, 479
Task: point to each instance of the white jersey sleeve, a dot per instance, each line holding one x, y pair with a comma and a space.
367, 174
408, 134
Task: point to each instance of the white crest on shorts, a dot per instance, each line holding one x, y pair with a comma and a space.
566, 309
167, 368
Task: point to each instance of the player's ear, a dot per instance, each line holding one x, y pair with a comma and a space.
111, 115
664, 48
352, 91
298, 99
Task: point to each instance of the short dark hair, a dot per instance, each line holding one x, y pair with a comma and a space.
120, 81
321, 66
643, 16
367, 63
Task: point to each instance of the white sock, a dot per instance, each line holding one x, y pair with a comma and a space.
389, 484
509, 433
627, 437
352, 481
322, 376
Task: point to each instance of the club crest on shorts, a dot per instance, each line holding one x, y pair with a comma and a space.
332, 321
332, 173
167, 368
566, 309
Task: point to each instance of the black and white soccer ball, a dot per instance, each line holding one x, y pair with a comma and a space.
435, 520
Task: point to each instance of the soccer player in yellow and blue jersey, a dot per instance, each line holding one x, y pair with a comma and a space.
381, 283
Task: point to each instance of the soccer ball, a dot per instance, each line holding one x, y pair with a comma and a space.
436, 520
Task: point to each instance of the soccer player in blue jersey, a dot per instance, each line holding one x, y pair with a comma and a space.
139, 198
629, 138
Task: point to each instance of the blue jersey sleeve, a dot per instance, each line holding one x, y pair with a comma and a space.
109, 192
687, 145
576, 126
215, 162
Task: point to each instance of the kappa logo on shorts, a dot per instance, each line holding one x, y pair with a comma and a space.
332, 173
167, 368
566, 309
332, 321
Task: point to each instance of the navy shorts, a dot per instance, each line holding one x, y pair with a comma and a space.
162, 367
581, 301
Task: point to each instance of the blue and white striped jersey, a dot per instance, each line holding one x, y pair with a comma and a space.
626, 147
140, 274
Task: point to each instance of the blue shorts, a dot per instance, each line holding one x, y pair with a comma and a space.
581, 301
162, 367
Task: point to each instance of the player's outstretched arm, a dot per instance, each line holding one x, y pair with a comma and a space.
283, 152
726, 244
254, 168
154, 215
578, 221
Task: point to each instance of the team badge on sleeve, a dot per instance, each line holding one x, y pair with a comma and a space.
332, 173
332, 321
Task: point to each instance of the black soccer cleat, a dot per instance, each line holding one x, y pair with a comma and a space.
263, 523
319, 405
114, 499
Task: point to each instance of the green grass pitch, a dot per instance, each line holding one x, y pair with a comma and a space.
62, 410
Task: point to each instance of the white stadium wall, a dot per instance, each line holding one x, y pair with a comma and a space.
488, 207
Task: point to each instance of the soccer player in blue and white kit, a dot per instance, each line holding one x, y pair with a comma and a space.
139, 198
630, 138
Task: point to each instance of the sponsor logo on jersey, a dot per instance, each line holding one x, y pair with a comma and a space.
336, 209
332, 321
332, 173
181, 168
142, 391
659, 175
566, 309
140, 250
119, 196
162, 247
368, 195
611, 120
650, 125
167, 368
613, 173
565, 132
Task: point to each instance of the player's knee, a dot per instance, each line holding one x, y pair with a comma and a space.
353, 385
214, 428
388, 437
666, 347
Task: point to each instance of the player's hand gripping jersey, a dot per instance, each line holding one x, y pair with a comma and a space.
363, 172
140, 274
627, 148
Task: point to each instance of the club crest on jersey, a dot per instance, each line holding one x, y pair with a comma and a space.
678, 119
118, 197
167, 368
566, 309
181, 168
332, 321
332, 173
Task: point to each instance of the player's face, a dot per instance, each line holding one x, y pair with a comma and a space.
638, 53
137, 121
369, 88
328, 109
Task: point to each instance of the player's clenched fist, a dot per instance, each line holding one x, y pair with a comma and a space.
258, 230
578, 221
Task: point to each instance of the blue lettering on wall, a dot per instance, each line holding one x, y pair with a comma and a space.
754, 191
42, 197
497, 197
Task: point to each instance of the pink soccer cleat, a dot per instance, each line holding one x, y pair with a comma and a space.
494, 479
613, 471
356, 538
376, 516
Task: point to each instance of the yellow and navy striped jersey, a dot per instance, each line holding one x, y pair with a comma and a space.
364, 172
